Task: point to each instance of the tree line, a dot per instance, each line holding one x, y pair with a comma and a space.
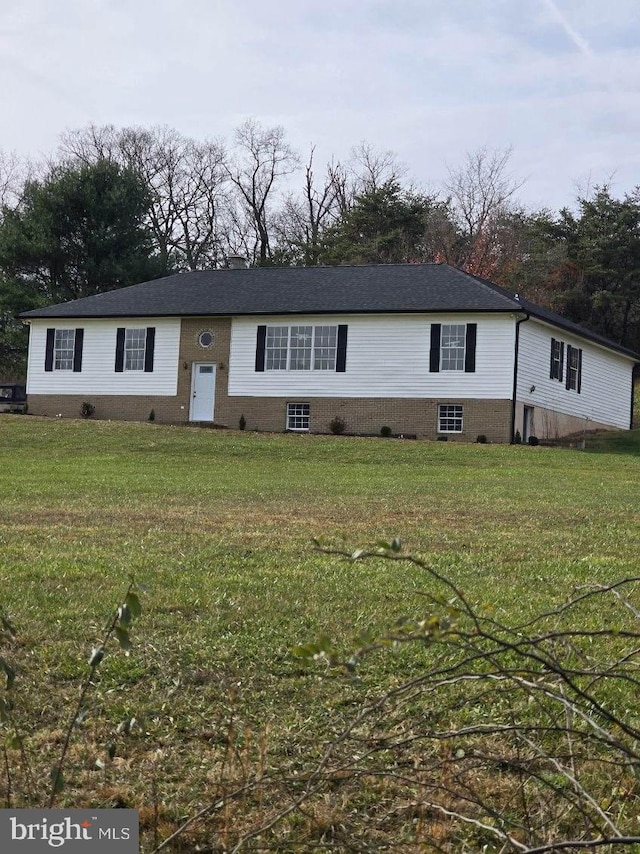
115, 206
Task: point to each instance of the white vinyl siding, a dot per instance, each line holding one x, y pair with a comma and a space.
98, 374
387, 356
605, 387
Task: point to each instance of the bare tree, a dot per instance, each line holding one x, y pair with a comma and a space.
261, 157
302, 219
373, 169
366, 171
187, 182
12, 175
482, 198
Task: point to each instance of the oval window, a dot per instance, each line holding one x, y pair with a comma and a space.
205, 339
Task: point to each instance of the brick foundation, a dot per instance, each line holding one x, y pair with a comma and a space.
363, 415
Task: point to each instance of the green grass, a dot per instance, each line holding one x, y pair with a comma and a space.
218, 527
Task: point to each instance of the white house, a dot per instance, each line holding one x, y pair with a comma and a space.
424, 349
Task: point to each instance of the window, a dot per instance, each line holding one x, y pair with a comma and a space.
450, 418
300, 343
298, 416
453, 347
134, 347
63, 351
205, 339
64, 345
300, 348
452, 343
574, 368
276, 348
557, 360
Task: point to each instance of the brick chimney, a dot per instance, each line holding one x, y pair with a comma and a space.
237, 262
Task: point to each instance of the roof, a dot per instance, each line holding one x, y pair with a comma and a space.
382, 288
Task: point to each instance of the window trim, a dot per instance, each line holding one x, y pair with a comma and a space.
450, 417
291, 415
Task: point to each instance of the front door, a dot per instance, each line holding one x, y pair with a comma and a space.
203, 388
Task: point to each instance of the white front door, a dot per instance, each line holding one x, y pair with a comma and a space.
203, 388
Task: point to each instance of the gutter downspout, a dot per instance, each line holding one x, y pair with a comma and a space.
515, 376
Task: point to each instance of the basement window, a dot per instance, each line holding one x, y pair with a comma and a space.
298, 417
450, 418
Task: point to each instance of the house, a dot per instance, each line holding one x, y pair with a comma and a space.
424, 349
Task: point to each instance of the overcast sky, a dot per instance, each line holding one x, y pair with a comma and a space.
559, 80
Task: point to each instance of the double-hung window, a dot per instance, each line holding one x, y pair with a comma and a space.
453, 347
300, 346
276, 348
452, 343
574, 368
303, 347
569, 370
557, 360
325, 348
134, 349
63, 351
63, 348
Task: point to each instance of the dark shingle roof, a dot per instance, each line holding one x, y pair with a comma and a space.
388, 288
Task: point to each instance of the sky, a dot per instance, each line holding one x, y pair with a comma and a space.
430, 80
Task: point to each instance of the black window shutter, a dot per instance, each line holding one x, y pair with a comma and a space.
260, 344
568, 381
579, 370
470, 348
120, 350
149, 349
341, 349
434, 352
48, 358
561, 368
552, 363
77, 351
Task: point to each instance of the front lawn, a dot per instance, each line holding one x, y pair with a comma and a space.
218, 528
